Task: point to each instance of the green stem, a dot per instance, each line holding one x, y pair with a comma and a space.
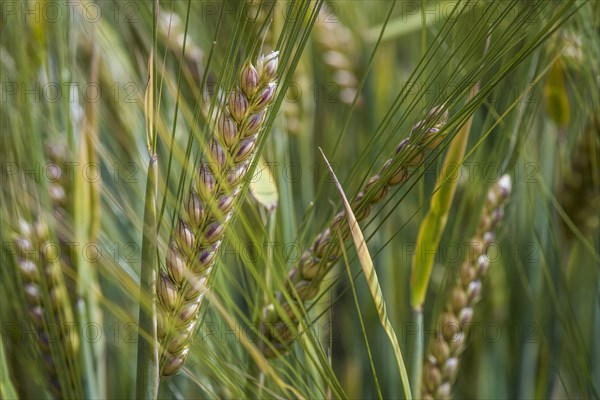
147, 360
90, 382
417, 354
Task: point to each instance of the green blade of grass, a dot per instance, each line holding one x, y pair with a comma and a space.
429, 237
434, 223
368, 268
88, 287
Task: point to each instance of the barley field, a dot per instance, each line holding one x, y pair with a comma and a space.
310, 199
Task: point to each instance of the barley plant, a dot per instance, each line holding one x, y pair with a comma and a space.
300, 199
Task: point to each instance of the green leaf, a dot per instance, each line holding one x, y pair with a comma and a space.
434, 223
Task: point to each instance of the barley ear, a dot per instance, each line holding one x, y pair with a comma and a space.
305, 278
207, 209
443, 355
41, 275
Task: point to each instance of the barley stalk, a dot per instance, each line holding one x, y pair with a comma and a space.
305, 277
207, 209
40, 271
443, 355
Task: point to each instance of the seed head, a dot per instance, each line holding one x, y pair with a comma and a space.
206, 257
188, 311
249, 80
482, 264
378, 195
234, 176
185, 237
176, 263
253, 123
433, 378
206, 182
228, 130
167, 292
245, 149
443, 392
29, 270
322, 242
504, 186
217, 155
306, 276
267, 66
465, 293
195, 210
171, 364
266, 96
450, 367
440, 350
465, 316
213, 232
238, 105
427, 130
401, 145
196, 286
225, 203
459, 299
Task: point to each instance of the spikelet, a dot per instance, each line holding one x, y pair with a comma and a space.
207, 208
40, 270
338, 52
579, 194
306, 276
443, 354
